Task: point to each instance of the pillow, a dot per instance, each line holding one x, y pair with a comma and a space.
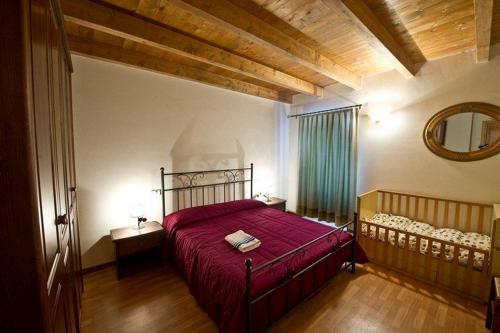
391, 221
447, 234
379, 218
419, 228
479, 241
186, 216
388, 220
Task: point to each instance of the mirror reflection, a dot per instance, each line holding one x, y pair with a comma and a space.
467, 132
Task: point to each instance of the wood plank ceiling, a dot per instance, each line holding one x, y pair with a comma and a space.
278, 48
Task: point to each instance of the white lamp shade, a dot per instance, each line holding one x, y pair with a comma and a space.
136, 209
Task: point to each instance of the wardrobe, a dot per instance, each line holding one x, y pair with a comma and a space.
40, 265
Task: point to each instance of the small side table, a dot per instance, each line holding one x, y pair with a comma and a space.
135, 248
276, 203
493, 315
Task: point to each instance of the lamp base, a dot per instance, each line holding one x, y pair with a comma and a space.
139, 221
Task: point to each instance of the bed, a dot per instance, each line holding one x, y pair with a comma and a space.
247, 291
444, 242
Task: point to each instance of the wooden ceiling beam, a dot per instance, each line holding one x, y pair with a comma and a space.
136, 59
374, 32
234, 19
483, 15
117, 22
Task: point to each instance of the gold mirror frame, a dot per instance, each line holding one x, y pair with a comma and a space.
488, 109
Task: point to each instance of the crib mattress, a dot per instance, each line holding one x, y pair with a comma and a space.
472, 239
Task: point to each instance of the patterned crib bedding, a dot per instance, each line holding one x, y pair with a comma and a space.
391, 221
472, 239
478, 241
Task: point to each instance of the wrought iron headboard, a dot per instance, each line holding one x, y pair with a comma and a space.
188, 183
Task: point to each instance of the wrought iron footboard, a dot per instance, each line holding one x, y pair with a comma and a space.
250, 270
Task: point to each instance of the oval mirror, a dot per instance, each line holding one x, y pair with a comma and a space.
464, 132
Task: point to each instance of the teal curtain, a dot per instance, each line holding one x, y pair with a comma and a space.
327, 165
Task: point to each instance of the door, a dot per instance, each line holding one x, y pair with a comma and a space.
490, 132
75, 266
50, 90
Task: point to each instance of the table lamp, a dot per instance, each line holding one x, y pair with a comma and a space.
137, 211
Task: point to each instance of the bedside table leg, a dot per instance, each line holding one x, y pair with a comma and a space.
118, 263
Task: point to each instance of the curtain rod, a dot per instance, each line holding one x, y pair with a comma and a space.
326, 111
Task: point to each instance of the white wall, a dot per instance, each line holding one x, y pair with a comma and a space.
129, 122
392, 154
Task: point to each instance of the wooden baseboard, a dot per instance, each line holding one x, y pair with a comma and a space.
93, 269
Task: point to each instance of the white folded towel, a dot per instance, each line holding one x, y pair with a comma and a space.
242, 241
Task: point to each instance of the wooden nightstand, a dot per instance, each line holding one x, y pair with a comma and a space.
493, 314
136, 249
276, 203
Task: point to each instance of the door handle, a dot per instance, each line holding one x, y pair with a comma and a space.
62, 219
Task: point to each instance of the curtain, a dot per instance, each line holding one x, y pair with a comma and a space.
327, 165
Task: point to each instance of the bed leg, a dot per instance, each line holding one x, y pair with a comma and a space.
353, 249
162, 191
248, 294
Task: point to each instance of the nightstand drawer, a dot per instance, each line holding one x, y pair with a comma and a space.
140, 244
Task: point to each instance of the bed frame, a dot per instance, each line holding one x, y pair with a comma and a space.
196, 188
441, 213
233, 184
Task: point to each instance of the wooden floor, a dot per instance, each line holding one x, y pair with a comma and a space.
372, 300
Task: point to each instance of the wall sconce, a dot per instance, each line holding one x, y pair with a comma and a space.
379, 115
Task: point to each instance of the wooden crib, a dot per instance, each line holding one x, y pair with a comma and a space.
440, 213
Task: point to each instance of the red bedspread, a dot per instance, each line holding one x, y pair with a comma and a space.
215, 271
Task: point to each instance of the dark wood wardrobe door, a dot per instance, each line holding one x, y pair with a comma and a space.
42, 282
72, 198
60, 323
73, 204
22, 301
65, 278
43, 135
67, 194
49, 85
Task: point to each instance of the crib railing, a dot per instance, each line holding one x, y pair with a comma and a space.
455, 274
440, 269
377, 235
441, 213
